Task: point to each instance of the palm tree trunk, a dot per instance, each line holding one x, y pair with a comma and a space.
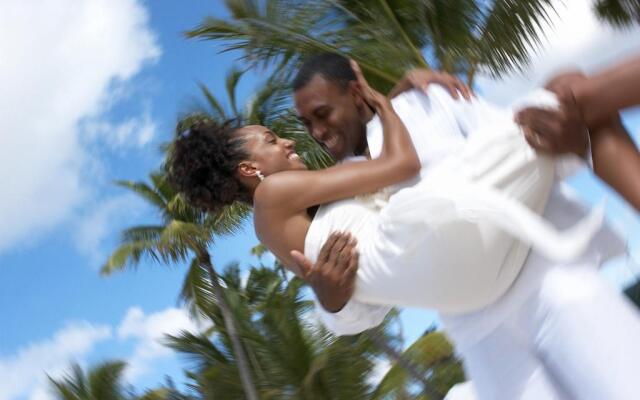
471, 75
376, 337
241, 359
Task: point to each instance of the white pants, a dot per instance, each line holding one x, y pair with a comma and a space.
574, 338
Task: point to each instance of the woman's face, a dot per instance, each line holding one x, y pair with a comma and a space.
268, 152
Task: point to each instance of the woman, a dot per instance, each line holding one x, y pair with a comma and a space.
450, 234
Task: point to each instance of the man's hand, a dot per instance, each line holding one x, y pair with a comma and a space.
557, 131
334, 275
421, 79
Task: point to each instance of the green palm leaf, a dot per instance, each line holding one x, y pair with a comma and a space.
214, 106
103, 382
145, 192
619, 13
509, 30
231, 83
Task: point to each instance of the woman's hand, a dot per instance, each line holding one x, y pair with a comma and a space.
374, 98
421, 79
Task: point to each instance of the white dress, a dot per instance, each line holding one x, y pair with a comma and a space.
455, 240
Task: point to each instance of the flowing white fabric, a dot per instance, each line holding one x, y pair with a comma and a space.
457, 238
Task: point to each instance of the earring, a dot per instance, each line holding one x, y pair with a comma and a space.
259, 175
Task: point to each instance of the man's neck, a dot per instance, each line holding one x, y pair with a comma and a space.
367, 114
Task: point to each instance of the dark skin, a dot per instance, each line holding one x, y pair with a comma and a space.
584, 115
594, 99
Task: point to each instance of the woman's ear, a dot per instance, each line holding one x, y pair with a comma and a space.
247, 169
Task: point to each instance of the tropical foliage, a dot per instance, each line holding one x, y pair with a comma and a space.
384, 36
290, 355
184, 233
620, 13
103, 382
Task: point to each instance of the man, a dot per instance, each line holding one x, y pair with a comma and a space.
528, 344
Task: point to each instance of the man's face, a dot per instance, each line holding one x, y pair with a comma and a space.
331, 115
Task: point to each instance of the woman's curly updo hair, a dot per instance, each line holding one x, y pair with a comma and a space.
203, 162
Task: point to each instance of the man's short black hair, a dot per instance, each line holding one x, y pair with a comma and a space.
333, 67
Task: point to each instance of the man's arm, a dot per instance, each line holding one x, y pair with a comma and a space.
332, 279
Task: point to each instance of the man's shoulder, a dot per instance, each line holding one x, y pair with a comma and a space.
414, 99
408, 98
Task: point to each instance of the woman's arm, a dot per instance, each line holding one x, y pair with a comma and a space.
398, 161
616, 160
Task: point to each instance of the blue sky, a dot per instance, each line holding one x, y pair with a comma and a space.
91, 91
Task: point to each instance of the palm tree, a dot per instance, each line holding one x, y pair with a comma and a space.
187, 233
102, 382
384, 36
184, 233
432, 354
619, 13
292, 357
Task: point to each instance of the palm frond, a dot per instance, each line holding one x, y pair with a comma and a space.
432, 355
148, 233
509, 31
145, 191
105, 381
619, 13
215, 109
198, 349
129, 255
231, 84
228, 220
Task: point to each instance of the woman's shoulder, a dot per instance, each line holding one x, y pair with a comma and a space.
277, 188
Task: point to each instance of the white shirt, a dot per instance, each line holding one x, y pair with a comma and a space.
438, 126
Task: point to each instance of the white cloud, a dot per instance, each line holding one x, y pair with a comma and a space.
24, 373
574, 39
149, 330
95, 227
133, 132
62, 61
